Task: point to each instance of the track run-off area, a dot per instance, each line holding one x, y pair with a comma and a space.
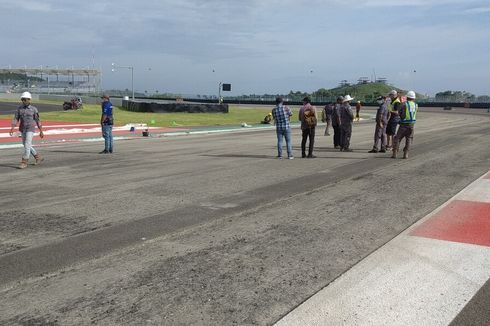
210, 228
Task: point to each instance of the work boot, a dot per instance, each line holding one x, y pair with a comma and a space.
23, 164
395, 152
38, 158
382, 150
405, 155
374, 150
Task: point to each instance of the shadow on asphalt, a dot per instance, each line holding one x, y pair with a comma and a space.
9, 166
75, 152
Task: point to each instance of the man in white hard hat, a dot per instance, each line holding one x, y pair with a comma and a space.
408, 117
346, 118
394, 105
28, 116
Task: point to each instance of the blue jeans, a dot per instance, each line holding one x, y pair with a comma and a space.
286, 133
107, 134
27, 142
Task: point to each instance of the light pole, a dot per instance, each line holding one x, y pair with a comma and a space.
219, 92
114, 66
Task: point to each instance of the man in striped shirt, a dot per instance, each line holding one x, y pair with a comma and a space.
282, 115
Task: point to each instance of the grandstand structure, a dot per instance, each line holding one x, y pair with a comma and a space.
50, 80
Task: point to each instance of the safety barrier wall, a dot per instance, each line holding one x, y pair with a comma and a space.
174, 107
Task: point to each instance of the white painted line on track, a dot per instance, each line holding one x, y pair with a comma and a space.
411, 280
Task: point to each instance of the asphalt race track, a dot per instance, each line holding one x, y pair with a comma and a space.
11, 107
213, 229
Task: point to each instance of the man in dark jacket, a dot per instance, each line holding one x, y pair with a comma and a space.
336, 122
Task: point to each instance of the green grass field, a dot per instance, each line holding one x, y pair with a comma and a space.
91, 114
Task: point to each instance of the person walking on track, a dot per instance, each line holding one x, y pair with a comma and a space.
28, 117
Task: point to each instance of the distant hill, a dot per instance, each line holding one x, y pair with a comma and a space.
362, 92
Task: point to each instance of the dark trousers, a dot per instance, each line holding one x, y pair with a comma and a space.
345, 134
308, 132
404, 131
380, 137
336, 135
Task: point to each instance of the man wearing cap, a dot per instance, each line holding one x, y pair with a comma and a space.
28, 116
380, 130
394, 117
408, 117
106, 122
346, 118
336, 122
281, 115
308, 117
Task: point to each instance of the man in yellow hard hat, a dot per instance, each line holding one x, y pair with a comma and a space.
267, 119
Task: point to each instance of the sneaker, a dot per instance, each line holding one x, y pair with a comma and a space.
374, 150
311, 156
291, 158
39, 159
279, 157
104, 152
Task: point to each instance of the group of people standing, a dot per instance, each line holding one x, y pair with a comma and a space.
395, 113
339, 116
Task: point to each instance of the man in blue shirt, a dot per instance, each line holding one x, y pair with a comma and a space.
281, 115
106, 122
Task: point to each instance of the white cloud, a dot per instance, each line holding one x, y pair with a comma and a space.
478, 10
27, 5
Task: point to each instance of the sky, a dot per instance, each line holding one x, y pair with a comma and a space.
259, 46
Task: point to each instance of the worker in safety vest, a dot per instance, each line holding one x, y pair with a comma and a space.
408, 117
394, 118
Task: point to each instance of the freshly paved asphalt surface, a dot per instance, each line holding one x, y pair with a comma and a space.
213, 229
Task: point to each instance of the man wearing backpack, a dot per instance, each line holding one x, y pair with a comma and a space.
308, 118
